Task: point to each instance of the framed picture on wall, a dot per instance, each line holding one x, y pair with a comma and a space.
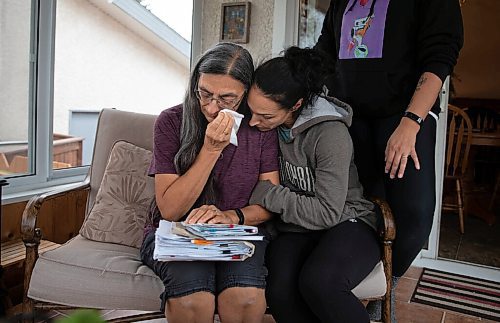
235, 22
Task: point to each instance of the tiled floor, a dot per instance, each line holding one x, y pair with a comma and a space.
406, 312
480, 244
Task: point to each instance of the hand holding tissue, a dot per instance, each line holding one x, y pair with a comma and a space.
237, 121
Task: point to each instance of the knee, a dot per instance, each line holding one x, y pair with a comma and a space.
239, 300
241, 304
191, 305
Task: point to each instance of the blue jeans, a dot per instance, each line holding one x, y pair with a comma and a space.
182, 278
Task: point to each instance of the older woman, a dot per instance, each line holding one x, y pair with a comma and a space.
199, 177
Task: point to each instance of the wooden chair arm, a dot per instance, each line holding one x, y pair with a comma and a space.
388, 231
387, 235
30, 234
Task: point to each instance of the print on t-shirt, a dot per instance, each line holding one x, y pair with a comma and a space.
362, 33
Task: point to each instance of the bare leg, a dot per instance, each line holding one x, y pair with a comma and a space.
241, 304
195, 308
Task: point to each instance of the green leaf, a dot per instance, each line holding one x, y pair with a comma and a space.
82, 316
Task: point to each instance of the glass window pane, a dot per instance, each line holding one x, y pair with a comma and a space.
312, 13
106, 59
15, 26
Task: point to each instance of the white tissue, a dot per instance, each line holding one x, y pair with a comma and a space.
237, 121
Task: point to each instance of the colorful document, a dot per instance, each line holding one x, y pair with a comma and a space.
176, 241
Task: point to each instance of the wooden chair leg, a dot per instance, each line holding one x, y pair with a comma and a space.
5, 301
460, 203
386, 308
386, 301
29, 264
495, 191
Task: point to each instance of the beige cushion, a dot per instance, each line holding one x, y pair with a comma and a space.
122, 201
374, 285
93, 274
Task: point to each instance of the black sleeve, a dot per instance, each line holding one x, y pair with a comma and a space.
440, 36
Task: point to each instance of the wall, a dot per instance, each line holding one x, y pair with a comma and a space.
261, 27
478, 68
477, 71
99, 63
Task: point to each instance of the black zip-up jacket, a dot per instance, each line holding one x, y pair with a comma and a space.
419, 36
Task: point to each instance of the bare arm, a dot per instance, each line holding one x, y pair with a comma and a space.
401, 144
175, 194
254, 214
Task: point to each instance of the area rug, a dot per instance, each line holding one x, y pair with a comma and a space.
473, 296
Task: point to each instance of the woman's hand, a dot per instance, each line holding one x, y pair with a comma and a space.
400, 147
218, 132
211, 214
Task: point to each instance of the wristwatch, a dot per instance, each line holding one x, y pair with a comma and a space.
414, 117
241, 216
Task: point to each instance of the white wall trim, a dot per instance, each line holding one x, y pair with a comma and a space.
433, 244
285, 25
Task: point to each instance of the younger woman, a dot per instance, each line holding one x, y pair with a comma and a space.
327, 243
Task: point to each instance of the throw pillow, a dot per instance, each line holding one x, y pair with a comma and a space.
122, 201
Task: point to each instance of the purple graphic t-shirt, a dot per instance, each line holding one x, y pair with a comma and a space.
362, 33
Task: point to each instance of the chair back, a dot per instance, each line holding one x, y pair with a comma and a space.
113, 126
483, 119
458, 141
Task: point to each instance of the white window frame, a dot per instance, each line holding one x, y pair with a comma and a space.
42, 176
41, 103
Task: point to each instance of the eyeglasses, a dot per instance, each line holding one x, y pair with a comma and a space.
223, 102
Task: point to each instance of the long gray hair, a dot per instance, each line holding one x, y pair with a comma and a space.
223, 59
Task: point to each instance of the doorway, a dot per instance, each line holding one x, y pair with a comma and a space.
475, 89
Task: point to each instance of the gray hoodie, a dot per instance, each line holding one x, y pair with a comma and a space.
319, 181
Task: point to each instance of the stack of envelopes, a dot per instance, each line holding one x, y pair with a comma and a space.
177, 241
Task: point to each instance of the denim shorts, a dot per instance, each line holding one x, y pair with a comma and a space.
182, 278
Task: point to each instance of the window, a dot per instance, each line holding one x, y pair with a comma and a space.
16, 93
311, 16
98, 55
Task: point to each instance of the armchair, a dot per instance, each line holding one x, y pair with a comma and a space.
103, 275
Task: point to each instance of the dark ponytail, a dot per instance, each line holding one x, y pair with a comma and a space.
299, 73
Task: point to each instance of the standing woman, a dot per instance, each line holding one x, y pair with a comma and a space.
327, 243
200, 178
390, 60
